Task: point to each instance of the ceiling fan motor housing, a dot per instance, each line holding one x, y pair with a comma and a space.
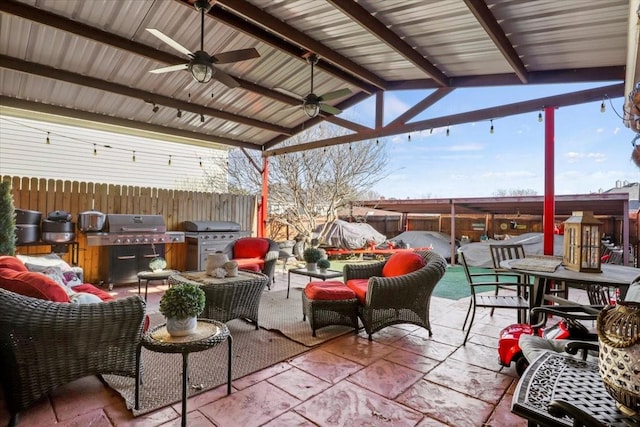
200, 67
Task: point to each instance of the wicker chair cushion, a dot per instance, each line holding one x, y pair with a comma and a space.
251, 264
12, 263
35, 285
359, 286
250, 247
88, 288
401, 263
329, 290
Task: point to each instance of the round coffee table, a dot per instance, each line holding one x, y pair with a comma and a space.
152, 275
209, 333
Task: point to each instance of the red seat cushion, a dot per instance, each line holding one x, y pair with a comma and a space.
402, 263
328, 291
250, 247
31, 284
90, 289
359, 286
253, 264
12, 263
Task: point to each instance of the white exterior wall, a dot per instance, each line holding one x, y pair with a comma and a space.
69, 156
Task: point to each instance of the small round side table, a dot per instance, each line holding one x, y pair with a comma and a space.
209, 333
152, 275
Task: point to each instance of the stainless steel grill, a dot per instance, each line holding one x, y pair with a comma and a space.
129, 244
207, 237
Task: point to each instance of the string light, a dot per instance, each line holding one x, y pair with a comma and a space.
133, 157
179, 113
201, 118
447, 130
603, 108
200, 161
48, 140
491, 128
155, 108
169, 162
430, 131
409, 137
95, 150
377, 141
540, 117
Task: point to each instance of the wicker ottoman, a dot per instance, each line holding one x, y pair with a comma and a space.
329, 303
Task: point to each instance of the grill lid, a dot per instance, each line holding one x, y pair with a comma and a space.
211, 226
127, 223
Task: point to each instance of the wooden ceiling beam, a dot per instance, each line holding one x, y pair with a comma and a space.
376, 28
428, 101
494, 31
69, 77
573, 98
262, 19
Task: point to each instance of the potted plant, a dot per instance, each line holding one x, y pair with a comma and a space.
323, 264
181, 305
312, 256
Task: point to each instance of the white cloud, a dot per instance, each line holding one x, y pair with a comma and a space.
574, 157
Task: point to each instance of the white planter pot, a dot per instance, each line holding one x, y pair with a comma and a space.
181, 327
311, 266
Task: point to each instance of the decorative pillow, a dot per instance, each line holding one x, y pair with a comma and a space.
71, 279
88, 288
401, 263
12, 263
84, 298
39, 263
250, 247
35, 285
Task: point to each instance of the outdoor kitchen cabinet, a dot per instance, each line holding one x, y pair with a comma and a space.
121, 264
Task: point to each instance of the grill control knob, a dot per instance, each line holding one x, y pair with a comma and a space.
161, 239
145, 240
127, 240
117, 240
136, 240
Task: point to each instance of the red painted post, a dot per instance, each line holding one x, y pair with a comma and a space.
548, 219
262, 208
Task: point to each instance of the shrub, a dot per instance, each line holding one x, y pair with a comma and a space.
182, 301
324, 263
312, 255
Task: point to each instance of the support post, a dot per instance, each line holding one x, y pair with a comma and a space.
262, 208
549, 208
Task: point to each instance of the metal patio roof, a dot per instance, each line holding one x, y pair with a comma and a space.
90, 60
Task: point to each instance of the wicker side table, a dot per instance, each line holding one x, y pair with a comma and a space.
209, 333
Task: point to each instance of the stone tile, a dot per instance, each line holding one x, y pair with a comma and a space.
425, 347
290, 419
194, 419
122, 418
502, 415
251, 379
411, 360
430, 422
446, 405
299, 384
251, 406
203, 398
95, 418
82, 396
325, 365
39, 414
385, 378
478, 355
347, 404
357, 349
480, 383
388, 335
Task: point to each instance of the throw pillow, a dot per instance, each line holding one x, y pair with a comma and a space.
39, 263
250, 247
35, 285
71, 279
12, 263
401, 263
84, 298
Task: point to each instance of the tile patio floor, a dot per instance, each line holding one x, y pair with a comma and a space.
402, 378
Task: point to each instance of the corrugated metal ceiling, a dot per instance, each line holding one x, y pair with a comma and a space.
91, 59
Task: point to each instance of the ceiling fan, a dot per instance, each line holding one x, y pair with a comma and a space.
312, 104
201, 64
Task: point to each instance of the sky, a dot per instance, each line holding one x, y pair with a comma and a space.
592, 148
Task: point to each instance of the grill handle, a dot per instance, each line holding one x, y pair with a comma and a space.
140, 230
127, 257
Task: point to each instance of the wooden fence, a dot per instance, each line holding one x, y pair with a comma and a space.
47, 195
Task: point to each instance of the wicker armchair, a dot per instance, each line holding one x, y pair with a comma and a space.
270, 258
400, 299
46, 344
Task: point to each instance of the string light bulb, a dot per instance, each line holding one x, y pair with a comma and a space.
448, 131
179, 113
430, 131
133, 157
48, 140
409, 137
377, 141
155, 108
95, 150
540, 117
200, 158
201, 118
169, 162
491, 128
603, 108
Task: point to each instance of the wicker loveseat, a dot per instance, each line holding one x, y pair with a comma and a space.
45, 344
400, 299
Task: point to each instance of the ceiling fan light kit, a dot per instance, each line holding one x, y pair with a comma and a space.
200, 67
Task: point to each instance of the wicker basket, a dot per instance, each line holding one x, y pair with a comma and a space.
619, 357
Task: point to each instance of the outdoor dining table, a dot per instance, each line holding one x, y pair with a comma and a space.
618, 276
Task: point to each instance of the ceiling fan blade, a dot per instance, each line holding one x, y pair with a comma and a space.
225, 78
170, 68
168, 40
329, 109
335, 94
292, 108
235, 56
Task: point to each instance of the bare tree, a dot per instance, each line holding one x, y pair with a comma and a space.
307, 188
515, 192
